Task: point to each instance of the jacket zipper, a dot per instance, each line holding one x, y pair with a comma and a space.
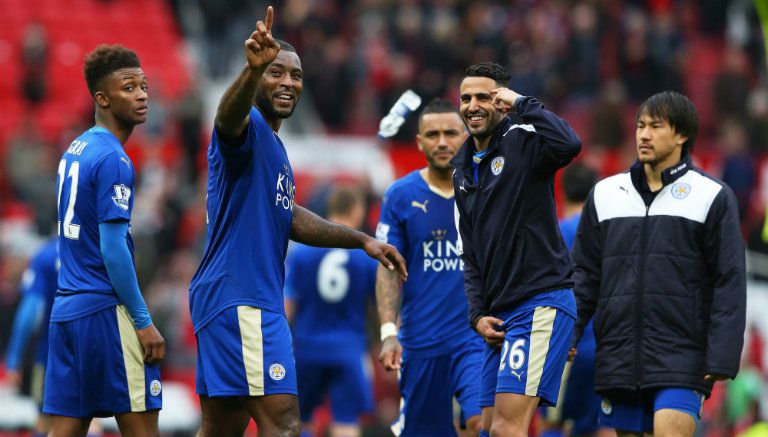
639, 302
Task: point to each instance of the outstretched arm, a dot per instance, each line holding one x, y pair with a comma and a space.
232, 115
310, 229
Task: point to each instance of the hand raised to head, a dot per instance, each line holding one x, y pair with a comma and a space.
504, 99
261, 48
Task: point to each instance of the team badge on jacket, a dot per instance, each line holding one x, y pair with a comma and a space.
681, 190
497, 165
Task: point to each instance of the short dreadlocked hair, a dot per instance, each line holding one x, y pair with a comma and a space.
490, 70
106, 59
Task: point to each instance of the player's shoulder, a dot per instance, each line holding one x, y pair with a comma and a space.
405, 185
258, 121
621, 182
705, 180
95, 144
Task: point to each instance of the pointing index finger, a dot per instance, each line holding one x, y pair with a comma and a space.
270, 17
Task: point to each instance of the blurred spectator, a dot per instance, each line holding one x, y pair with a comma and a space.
31, 167
34, 63
581, 60
607, 125
738, 164
731, 85
757, 119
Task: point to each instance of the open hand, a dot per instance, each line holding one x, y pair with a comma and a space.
391, 353
261, 49
486, 327
152, 343
504, 99
387, 255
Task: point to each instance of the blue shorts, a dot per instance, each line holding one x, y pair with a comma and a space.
245, 351
428, 386
347, 379
96, 368
532, 358
633, 411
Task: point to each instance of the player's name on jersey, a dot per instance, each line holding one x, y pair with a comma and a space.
77, 147
440, 254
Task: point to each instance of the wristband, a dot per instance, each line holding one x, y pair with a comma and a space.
388, 329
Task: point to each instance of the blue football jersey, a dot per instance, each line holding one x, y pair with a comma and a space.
568, 227
419, 222
95, 182
40, 279
249, 213
331, 289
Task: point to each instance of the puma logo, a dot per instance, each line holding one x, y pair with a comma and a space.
462, 187
421, 206
519, 375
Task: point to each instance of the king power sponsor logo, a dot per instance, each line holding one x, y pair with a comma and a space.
285, 190
440, 254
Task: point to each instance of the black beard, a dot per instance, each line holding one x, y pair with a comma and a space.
265, 104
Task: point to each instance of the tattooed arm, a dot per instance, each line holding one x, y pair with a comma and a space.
310, 229
388, 296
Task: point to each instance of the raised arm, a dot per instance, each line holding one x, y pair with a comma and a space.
232, 114
310, 229
558, 143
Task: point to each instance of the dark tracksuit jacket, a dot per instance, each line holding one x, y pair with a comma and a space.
512, 246
664, 276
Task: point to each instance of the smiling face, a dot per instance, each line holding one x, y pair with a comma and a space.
477, 110
280, 86
440, 136
658, 145
124, 94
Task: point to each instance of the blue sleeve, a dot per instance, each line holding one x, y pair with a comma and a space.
372, 266
28, 316
121, 271
114, 184
391, 228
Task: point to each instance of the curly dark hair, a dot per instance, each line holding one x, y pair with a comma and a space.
490, 70
106, 59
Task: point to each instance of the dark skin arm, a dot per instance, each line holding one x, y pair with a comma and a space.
232, 115
310, 229
388, 294
486, 327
